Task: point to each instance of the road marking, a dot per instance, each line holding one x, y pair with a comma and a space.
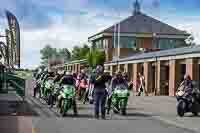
34, 130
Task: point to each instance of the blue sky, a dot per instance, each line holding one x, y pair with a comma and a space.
65, 23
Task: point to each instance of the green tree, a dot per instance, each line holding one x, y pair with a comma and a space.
79, 53
64, 52
96, 57
47, 52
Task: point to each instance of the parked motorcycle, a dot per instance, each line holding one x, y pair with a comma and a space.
187, 101
67, 95
119, 99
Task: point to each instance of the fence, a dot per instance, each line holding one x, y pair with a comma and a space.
18, 84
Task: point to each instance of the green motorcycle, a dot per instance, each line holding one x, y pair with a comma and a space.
119, 99
67, 99
48, 91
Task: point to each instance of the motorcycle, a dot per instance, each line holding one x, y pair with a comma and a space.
187, 101
119, 99
48, 91
67, 95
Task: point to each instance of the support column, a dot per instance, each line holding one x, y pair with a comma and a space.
147, 76
136, 70
158, 78
78, 68
174, 73
125, 67
192, 68
111, 70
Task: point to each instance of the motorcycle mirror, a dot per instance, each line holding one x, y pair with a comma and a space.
194, 82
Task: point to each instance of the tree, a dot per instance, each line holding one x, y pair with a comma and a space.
96, 57
76, 53
79, 53
190, 41
47, 52
64, 53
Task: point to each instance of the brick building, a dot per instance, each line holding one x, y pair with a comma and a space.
165, 61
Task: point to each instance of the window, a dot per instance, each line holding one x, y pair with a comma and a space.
105, 43
125, 42
99, 44
166, 43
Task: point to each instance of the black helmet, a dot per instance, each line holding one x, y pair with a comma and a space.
125, 74
118, 74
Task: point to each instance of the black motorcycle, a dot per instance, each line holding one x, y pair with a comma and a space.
187, 101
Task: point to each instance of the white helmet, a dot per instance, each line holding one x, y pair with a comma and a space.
67, 73
83, 71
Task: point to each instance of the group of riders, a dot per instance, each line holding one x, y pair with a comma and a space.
98, 88
106, 92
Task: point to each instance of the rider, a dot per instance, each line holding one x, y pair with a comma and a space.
117, 80
82, 78
187, 81
82, 74
58, 77
99, 80
67, 79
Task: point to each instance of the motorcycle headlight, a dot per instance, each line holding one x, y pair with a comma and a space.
180, 93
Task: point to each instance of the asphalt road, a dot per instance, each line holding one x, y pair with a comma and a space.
49, 121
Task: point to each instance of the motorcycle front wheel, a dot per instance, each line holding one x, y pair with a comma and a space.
123, 107
50, 100
181, 108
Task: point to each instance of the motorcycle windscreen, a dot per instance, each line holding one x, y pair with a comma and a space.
121, 92
68, 90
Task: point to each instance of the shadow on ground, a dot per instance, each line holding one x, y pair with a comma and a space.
17, 108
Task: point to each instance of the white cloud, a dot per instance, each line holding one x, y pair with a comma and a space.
66, 31
74, 29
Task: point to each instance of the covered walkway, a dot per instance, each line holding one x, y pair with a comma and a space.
163, 70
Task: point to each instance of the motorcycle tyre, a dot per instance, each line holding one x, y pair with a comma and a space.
180, 108
50, 100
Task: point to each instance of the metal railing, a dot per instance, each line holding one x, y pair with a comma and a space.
16, 83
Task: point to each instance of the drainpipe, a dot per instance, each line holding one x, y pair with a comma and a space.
156, 75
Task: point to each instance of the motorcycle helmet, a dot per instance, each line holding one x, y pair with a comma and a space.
83, 71
125, 75
67, 73
187, 77
118, 74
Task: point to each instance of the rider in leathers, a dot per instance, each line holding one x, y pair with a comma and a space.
117, 80
67, 79
187, 81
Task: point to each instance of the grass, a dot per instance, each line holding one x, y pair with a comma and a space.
23, 74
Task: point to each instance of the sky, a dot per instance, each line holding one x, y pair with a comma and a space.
66, 23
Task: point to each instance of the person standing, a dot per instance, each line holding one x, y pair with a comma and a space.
99, 81
2, 70
142, 85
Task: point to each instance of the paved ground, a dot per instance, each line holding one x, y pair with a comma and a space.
145, 114
164, 108
136, 122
